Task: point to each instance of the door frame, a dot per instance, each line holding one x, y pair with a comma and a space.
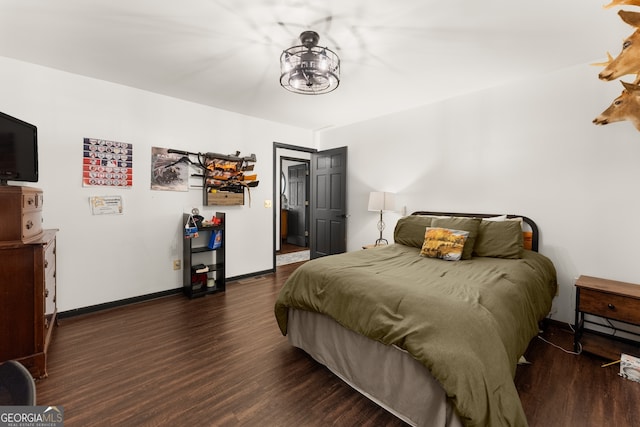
276, 186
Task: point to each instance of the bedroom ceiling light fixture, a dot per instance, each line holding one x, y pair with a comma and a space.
309, 69
381, 201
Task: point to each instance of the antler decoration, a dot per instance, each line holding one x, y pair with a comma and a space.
604, 64
622, 3
627, 105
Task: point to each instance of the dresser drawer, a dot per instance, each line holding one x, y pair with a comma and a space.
609, 305
50, 259
49, 281
20, 213
32, 201
49, 299
31, 224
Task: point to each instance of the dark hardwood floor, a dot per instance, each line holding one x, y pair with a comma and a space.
562, 389
287, 248
220, 360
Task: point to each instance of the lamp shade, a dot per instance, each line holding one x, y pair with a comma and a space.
381, 201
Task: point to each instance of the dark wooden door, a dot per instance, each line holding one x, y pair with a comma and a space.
328, 202
298, 218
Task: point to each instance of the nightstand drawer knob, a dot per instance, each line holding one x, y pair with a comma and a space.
611, 306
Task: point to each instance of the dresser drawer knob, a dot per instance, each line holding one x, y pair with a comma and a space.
29, 225
46, 265
46, 293
611, 306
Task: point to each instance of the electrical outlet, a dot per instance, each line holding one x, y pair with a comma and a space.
177, 264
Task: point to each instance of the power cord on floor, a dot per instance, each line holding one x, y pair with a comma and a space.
563, 349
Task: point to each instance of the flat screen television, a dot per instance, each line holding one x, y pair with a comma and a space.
18, 150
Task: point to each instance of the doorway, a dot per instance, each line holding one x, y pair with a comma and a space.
294, 211
318, 180
291, 236
294, 224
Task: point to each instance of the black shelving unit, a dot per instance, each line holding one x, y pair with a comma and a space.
196, 254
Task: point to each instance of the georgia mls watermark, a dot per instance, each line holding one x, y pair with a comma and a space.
31, 416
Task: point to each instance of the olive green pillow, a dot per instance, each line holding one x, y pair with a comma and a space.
501, 239
410, 230
461, 223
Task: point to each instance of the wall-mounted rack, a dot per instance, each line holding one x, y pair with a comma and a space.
224, 176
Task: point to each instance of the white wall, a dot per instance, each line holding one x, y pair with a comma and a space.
526, 148
108, 258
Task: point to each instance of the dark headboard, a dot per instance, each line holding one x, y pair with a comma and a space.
528, 221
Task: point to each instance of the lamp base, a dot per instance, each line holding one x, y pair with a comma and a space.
381, 226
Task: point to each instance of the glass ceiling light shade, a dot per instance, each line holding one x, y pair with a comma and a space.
309, 69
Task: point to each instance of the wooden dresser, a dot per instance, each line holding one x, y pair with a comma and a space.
27, 279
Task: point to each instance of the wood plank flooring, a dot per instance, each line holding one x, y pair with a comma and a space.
287, 248
221, 361
562, 389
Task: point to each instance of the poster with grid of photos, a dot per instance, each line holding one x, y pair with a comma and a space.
107, 163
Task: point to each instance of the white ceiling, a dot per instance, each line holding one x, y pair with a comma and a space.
395, 55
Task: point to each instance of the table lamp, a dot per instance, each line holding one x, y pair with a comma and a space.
381, 201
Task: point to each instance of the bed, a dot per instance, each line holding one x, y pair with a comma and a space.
433, 340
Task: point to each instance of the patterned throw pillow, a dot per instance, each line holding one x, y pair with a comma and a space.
464, 224
443, 243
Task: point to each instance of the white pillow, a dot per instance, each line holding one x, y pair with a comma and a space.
496, 218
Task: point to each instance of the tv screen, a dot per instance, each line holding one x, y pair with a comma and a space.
18, 150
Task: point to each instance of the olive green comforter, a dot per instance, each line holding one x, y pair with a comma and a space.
467, 321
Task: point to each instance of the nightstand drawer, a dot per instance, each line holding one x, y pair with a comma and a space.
611, 306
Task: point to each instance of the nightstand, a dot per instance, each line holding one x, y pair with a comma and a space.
607, 300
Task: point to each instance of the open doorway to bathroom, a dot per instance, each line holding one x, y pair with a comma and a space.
292, 240
325, 196
294, 211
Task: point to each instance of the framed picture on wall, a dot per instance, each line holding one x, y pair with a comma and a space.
107, 163
168, 172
